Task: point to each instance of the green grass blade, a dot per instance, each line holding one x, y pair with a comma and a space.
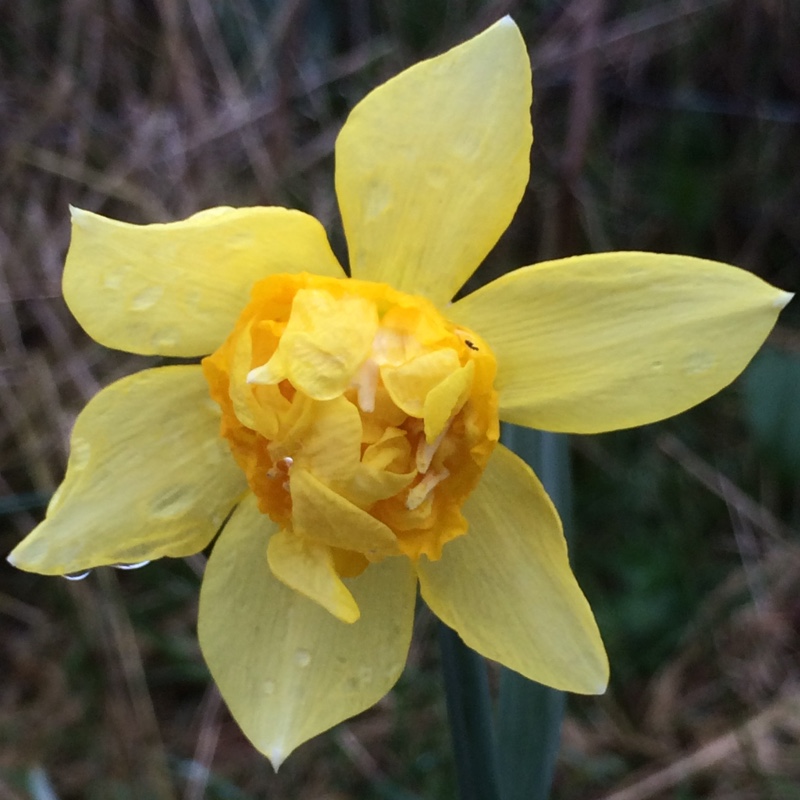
529, 715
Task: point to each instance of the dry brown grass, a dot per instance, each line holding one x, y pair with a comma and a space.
149, 111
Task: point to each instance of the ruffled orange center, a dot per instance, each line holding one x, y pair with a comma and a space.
361, 417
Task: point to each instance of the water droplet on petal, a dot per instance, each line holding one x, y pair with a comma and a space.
211, 406
242, 241
378, 199
171, 503
113, 280
699, 362
79, 453
137, 565
147, 298
302, 658
166, 339
467, 145
365, 676
77, 576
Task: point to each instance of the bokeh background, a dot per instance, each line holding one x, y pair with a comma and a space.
669, 125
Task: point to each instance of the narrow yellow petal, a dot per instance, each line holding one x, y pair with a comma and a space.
506, 586
324, 515
614, 340
324, 437
408, 383
325, 342
447, 399
176, 289
385, 470
307, 567
288, 669
431, 166
148, 476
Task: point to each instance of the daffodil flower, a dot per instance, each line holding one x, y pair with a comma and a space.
343, 431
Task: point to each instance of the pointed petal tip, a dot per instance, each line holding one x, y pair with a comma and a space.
77, 214
258, 375
266, 374
349, 615
20, 560
783, 299
276, 757
507, 20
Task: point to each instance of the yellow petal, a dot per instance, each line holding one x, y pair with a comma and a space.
447, 399
176, 289
288, 669
324, 515
431, 166
148, 476
325, 342
506, 586
385, 470
613, 340
409, 383
308, 568
323, 436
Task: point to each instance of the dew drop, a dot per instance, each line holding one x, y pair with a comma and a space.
378, 199
211, 213
657, 366
242, 241
211, 406
137, 565
214, 451
79, 453
468, 146
147, 298
365, 676
166, 338
77, 576
268, 687
171, 503
699, 362
113, 280
302, 658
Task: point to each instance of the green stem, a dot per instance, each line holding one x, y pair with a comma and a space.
529, 715
469, 710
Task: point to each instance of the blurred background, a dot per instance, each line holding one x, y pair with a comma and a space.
668, 125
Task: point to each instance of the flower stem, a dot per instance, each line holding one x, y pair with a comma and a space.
469, 709
529, 715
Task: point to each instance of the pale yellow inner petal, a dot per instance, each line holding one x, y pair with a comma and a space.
307, 567
374, 423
